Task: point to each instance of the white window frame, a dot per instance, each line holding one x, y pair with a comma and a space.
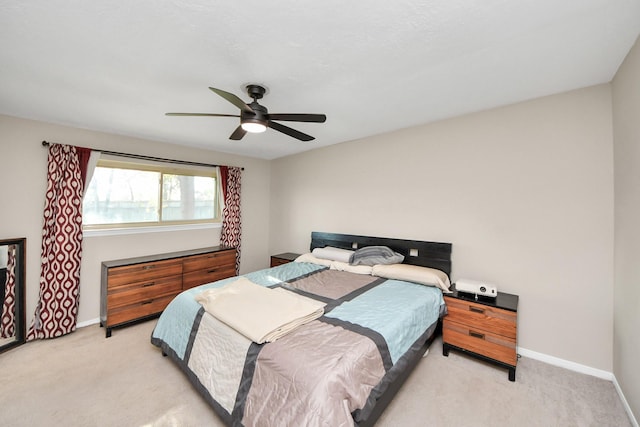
158, 226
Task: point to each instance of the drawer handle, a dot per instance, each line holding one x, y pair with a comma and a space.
476, 335
146, 302
476, 309
146, 285
212, 270
148, 267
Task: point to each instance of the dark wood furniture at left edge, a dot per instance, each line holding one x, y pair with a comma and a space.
283, 258
140, 288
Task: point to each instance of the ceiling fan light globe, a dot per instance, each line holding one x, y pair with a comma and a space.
253, 127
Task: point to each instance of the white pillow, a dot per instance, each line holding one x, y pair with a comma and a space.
357, 269
333, 254
414, 273
310, 258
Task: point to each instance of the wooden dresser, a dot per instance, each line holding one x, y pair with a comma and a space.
484, 327
139, 288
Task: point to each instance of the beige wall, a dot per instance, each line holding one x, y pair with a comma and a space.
23, 174
524, 193
626, 125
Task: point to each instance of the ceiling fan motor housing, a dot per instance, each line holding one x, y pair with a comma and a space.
255, 91
260, 115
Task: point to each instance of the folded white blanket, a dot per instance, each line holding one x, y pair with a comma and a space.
257, 312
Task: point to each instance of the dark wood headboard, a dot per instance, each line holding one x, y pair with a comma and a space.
416, 252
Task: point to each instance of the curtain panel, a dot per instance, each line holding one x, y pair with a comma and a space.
231, 178
57, 309
8, 319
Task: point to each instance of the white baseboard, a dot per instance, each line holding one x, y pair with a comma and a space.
88, 322
572, 366
627, 408
577, 367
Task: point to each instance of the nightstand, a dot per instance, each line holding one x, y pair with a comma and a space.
482, 327
284, 258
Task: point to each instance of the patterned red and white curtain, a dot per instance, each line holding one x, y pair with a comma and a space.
230, 178
57, 309
8, 319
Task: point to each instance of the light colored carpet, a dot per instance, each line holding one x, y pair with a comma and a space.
85, 380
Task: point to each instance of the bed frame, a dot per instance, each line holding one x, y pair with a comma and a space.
425, 254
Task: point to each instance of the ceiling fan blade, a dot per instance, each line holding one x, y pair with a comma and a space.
233, 99
312, 118
291, 132
238, 134
201, 114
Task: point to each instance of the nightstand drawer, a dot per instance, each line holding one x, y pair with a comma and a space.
482, 317
283, 258
480, 341
278, 261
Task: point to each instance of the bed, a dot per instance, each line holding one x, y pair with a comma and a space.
341, 369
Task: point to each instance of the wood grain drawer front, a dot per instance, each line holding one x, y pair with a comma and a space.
197, 278
201, 262
140, 288
136, 311
480, 341
278, 261
137, 292
149, 271
482, 317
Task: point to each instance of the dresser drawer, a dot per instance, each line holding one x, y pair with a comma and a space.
197, 278
480, 341
149, 271
138, 288
136, 311
482, 317
201, 262
142, 291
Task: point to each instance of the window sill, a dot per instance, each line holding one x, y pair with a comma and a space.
154, 229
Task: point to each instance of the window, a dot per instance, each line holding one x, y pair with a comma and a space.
124, 194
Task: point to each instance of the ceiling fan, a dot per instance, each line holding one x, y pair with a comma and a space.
255, 118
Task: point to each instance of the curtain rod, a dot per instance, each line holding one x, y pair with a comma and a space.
143, 157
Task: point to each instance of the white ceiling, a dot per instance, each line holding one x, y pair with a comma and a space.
371, 66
